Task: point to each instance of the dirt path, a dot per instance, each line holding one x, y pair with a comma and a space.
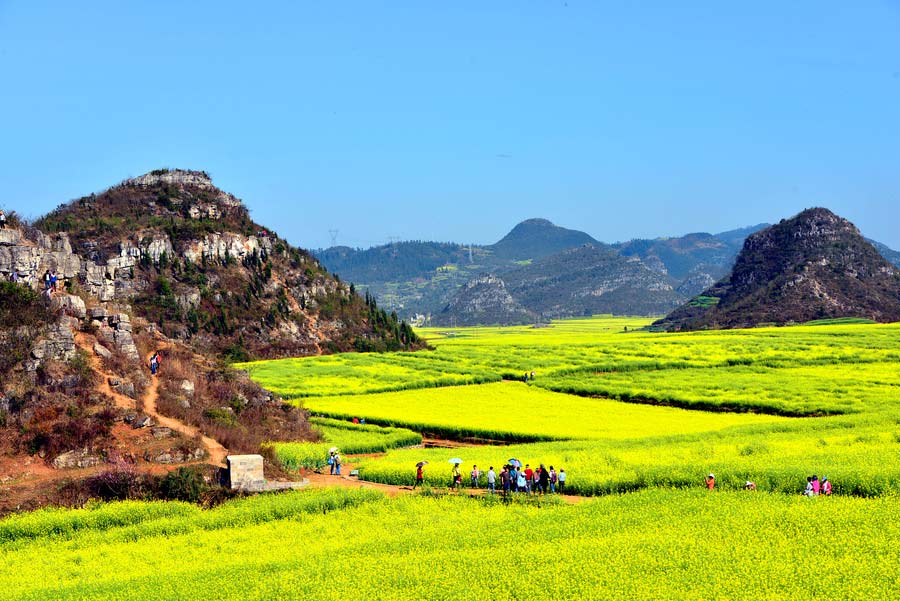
324, 479
215, 450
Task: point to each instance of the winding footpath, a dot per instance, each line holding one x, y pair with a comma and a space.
215, 451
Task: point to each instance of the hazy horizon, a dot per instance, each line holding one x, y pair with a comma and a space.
455, 123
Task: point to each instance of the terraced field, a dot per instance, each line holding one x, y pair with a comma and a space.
750, 385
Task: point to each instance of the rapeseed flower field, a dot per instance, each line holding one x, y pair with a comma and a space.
339, 544
637, 419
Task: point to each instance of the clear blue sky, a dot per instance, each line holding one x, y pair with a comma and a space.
456, 120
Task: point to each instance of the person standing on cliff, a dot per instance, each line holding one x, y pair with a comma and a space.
2, 220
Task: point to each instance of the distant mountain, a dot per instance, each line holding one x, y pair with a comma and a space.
815, 265
483, 301
735, 238
391, 262
591, 279
682, 255
537, 238
424, 277
888, 253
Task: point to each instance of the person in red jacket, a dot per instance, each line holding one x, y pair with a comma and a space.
710, 482
420, 476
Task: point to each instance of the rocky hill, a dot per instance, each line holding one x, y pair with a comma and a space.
167, 262
588, 280
483, 301
187, 257
815, 265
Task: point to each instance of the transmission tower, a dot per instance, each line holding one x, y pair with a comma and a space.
333, 234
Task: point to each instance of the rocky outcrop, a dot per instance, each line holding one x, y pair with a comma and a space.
76, 459
177, 455
226, 246
484, 300
56, 344
68, 304
815, 265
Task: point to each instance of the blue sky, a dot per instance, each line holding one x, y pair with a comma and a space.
454, 121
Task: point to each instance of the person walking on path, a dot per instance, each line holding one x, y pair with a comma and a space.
455, 477
154, 363
337, 464
474, 476
544, 479
47, 280
711, 482
528, 474
420, 476
331, 463
504, 479
552, 479
826, 486
562, 481
491, 479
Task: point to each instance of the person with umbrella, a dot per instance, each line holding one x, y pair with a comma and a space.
455, 474
420, 473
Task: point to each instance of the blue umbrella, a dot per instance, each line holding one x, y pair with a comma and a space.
515, 462
455, 460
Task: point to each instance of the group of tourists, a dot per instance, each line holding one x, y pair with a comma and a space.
512, 478
814, 487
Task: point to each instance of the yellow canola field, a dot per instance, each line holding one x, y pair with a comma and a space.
657, 544
515, 411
